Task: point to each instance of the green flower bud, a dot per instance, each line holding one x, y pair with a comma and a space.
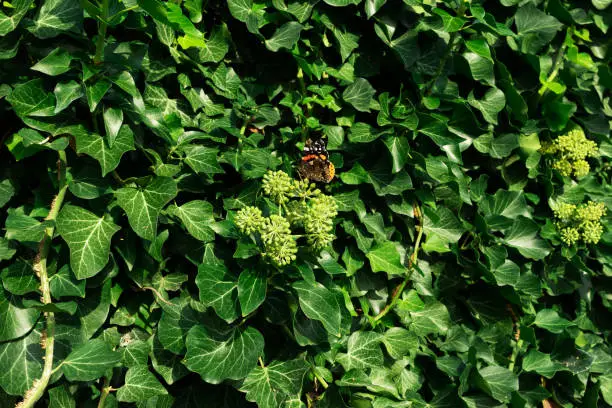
565, 211
576, 146
249, 220
591, 211
318, 221
305, 189
571, 150
278, 185
564, 167
276, 229
282, 253
581, 168
295, 211
569, 235
591, 232
580, 222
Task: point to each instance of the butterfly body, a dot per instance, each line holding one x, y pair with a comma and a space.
315, 164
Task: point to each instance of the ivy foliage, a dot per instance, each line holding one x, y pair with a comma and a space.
470, 260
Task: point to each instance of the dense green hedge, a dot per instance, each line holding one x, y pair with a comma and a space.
151, 258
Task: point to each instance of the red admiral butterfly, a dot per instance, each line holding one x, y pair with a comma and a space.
315, 164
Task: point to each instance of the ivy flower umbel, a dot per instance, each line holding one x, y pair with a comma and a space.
319, 221
571, 151
280, 245
282, 253
591, 232
278, 185
591, 211
569, 235
249, 220
304, 214
295, 211
565, 211
304, 189
580, 222
275, 229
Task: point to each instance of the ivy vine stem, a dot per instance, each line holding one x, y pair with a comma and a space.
451, 43
106, 388
397, 292
517, 347
40, 266
300, 77
102, 27
557, 64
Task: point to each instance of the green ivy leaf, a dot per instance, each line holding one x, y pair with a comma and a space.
274, 385
10, 23
60, 397
540, 363
21, 360
399, 149
285, 37
203, 160
143, 204
385, 258
215, 47
19, 278
359, 94
23, 228
6, 251
362, 133
140, 385
30, 99
523, 236
113, 119
218, 356
507, 274
319, 303
197, 216
86, 183
441, 227
63, 283
88, 237
94, 145
89, 361
363, 351
15, 320
508, 204
480, 67
535, 28
490, 105
218, 290
240, 9
56, 16
550, 320
251, 290
177, 319
6, 192
433, 318
55, 63
66, 93
499, 382
399, 342
96, 92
